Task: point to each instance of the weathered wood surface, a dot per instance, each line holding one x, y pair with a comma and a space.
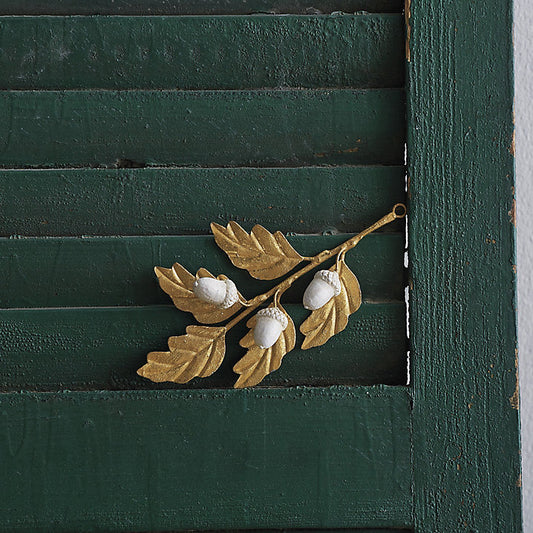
171, 457
206, 128
462, 305
201, 52
170, 201
176, 460
101, 348
119, 271
196, 7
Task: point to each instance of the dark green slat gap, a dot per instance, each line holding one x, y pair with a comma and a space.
198, 7
335, 530
345, 530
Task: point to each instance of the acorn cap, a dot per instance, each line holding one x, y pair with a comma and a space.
276, 313
332, 278
231, 294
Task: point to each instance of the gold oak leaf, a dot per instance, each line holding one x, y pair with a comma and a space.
332, 318
197, 354
178, 282
263, 254
259, 362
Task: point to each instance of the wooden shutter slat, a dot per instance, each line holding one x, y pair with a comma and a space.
117, 271
197, 7
185, 200
232, 52
101, 348
145, 461
207, 128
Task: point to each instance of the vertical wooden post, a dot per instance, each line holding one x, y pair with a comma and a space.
462, 225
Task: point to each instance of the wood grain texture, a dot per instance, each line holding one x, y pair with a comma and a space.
82, 462
206, 128
461, 238
167, 457
198, 7
170, 201
201, 52
101, 348
119, 271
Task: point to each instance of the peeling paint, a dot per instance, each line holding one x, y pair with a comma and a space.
511, 148
515, 398
512, 213
408, 30
345, 151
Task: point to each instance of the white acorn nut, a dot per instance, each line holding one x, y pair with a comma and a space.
220, 292
270, 323
325, 285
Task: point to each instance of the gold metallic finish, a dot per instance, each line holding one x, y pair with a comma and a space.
199, 353
259, 362
263, 254
332, 318
178, 282
266, 256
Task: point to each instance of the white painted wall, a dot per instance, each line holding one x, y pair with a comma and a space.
523, 38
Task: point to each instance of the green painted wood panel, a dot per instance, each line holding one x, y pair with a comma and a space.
201, 52
207, 128
101, 348
358, 530
196, 7
145, 461
63, 272
170, 457
461, 238
170, 201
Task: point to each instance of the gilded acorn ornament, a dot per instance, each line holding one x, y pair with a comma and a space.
271, 322
332, 296
325, 285
220, 292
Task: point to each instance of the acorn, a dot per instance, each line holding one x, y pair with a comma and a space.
220, 292
269, 326
325, 285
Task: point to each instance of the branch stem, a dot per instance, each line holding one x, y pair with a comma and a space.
398, 211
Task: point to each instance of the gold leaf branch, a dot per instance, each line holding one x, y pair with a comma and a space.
263, 254
200, 352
